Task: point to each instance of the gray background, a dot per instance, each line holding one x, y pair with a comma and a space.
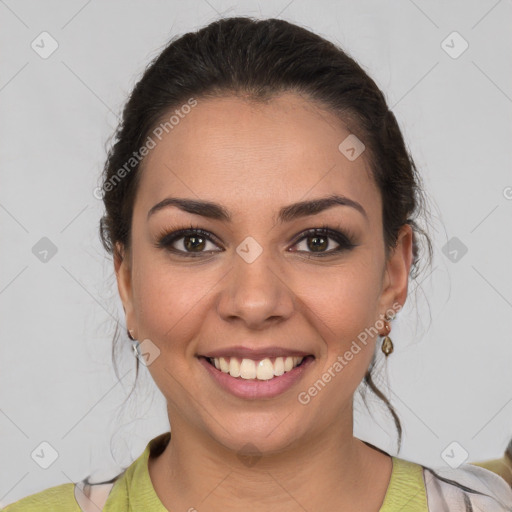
449, 377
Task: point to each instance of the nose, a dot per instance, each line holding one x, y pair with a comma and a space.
256, 293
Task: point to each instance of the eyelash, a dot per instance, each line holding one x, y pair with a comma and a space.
168, 236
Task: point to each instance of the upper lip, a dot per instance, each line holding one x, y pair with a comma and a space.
251, 353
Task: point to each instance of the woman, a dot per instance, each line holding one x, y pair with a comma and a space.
260, 206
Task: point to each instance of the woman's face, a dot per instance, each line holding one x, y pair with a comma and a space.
255, 288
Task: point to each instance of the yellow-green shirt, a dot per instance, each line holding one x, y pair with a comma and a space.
133, 490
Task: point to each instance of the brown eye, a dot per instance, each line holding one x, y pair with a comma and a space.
188, 242
193, 242
323, 242
317, 243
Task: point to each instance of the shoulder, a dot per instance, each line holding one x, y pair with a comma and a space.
467, 487
71, 497
60, 498
84, 496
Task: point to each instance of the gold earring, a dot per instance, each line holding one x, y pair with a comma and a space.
387, 344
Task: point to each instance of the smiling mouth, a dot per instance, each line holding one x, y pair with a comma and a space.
250, 369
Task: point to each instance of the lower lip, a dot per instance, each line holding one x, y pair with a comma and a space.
253, 388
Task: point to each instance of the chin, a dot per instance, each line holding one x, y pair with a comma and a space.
257, 434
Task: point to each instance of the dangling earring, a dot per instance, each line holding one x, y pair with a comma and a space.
387, 344
135, 344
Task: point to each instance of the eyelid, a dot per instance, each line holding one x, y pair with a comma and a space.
342, 236
345, 235
167, 236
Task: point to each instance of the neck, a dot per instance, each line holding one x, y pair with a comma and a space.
195, 471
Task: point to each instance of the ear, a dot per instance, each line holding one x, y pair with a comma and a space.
396, 272
122, 267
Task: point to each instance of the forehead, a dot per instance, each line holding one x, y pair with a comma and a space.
242, 153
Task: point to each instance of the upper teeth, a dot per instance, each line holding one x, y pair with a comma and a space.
264, 369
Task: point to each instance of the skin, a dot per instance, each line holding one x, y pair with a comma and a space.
254, 159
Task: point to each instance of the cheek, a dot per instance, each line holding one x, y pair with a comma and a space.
167, 302
172, 304
346, 310
345, 301
346, 313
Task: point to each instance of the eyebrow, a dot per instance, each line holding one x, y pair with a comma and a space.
286, 214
